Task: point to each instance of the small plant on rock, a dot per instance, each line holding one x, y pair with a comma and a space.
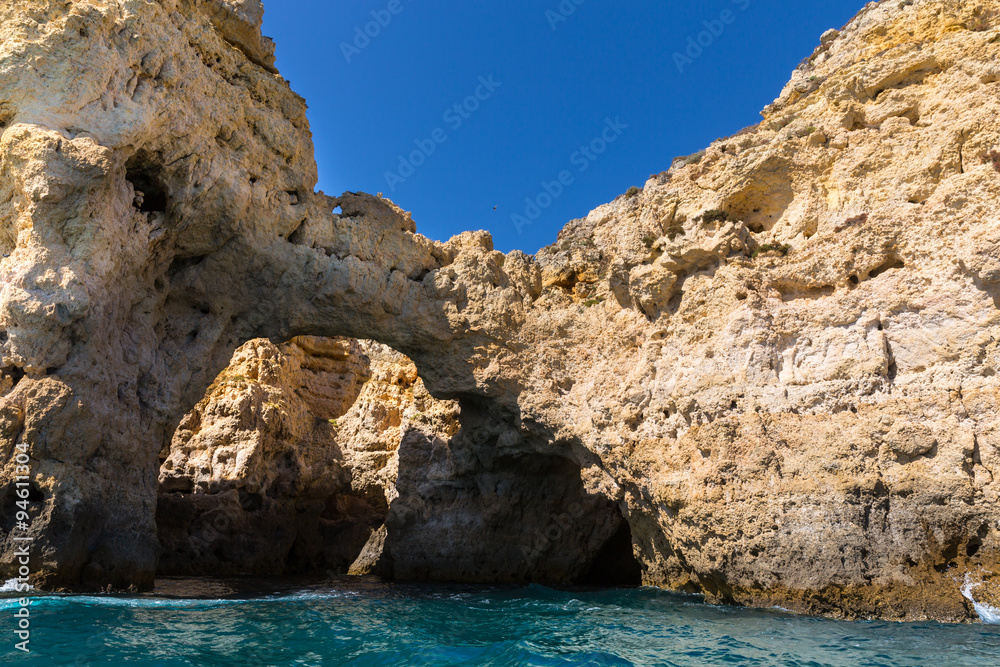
980, 23
714, 215
694, 158
782, 248
675, 229
779, 125
632, 191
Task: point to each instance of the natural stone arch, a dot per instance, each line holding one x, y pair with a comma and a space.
120, 306
723, 383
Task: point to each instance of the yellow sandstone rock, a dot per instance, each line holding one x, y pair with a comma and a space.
770, 376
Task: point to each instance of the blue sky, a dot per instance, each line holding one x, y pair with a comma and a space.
596, 93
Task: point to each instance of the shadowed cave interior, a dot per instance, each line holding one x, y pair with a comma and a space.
394, 484
143, 174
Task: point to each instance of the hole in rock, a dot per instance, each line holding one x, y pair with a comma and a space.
298, 235
615, 564
182, 264
147, 183
13, 374
892, 263
764, 196
250, 502
273, 494
973, 546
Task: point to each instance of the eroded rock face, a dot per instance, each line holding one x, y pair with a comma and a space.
778, 360
325, 455
256, 481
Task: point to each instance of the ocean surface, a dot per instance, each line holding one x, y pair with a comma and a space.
257, 623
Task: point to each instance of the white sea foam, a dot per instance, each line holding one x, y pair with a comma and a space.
987, 614
164, 603
10, 586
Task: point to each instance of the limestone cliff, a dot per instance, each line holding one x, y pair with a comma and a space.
289, 463
777, 361
292, 461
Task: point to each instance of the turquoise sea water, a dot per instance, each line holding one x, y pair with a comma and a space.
358, 622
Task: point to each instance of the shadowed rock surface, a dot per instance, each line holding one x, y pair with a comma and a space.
304, 453
777, 360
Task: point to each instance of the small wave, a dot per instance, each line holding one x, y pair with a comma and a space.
987, 614
314, 596
10, 586
171, 603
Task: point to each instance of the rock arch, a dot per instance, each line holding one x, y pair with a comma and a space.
742, 401
120, 308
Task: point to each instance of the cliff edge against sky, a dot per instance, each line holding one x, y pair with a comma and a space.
775, 365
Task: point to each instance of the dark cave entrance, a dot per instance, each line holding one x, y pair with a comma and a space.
615, 565
470, 502
519, 517
147, 183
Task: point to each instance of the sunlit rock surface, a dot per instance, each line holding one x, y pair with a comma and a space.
777, 361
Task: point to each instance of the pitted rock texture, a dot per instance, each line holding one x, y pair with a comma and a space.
777, 360
304, 456
259, 478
